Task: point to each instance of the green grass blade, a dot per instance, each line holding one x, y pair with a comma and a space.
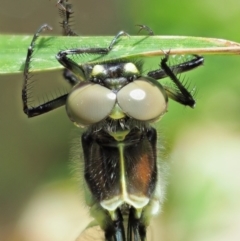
13, 49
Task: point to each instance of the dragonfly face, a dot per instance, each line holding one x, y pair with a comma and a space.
119, 150
116, 105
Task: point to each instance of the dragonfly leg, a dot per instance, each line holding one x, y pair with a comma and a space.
113, 229
178, 92
29, 110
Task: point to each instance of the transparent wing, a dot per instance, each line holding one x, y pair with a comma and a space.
93, 232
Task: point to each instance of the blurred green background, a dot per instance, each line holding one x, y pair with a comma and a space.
39, 201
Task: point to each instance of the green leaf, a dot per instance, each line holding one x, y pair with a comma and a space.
13, 49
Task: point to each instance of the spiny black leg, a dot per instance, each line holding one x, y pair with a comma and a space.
179, 68
191, 64
117, 36
136, 230
73, 66
70, 77
119, 228
26, 72
116, 232
176, 69
48, 106
142, 232
181, 94
130, 226
65, 12
64, 5
145, 27
29, 55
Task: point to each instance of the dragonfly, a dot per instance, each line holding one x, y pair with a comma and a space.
116, 105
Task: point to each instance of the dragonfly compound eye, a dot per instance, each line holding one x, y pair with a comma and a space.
89, 103
143, 99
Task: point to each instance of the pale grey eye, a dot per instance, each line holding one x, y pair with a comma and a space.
89, 103
143, 99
